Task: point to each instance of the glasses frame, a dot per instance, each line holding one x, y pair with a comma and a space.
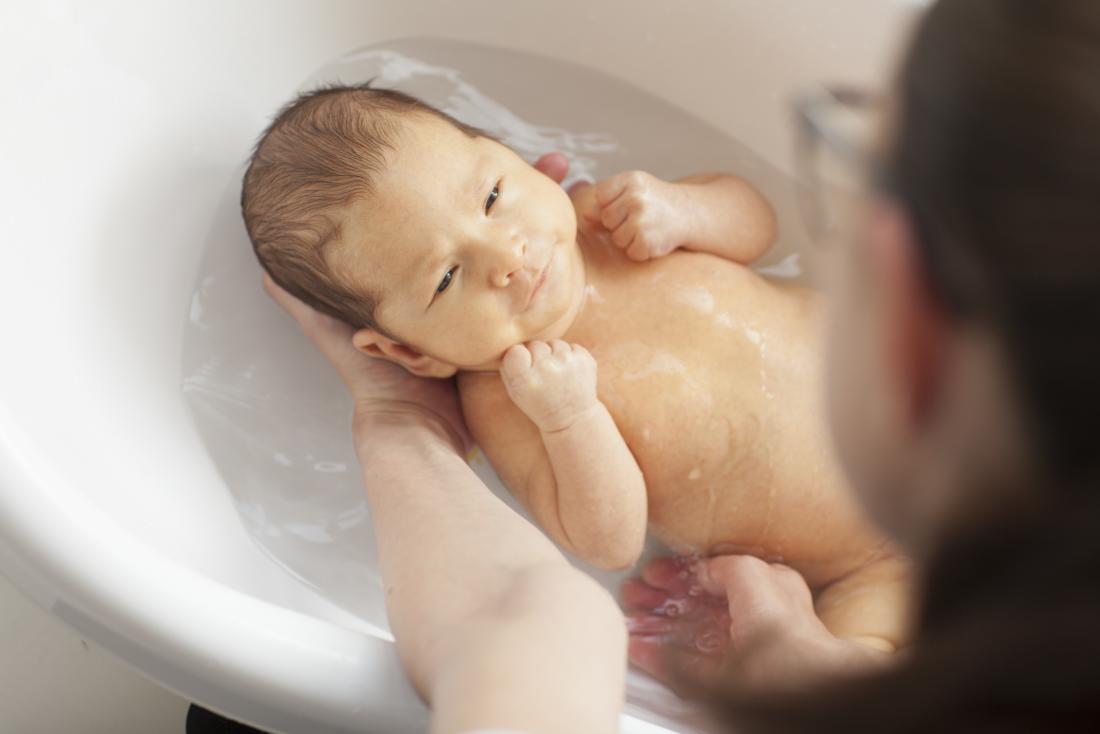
815, 132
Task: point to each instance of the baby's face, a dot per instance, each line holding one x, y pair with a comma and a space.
469, 249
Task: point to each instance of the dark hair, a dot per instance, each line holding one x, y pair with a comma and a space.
321, 153
997, 157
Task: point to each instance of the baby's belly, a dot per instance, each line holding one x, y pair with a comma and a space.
732, 482
713, 377
735, 453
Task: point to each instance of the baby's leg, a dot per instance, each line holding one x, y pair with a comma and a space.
871, 605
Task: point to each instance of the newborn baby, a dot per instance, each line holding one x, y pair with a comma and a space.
453, 256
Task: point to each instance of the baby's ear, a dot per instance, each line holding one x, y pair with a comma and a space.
374, 344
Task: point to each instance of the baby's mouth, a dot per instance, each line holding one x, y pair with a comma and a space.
539, 281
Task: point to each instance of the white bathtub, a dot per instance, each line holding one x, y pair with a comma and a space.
124, 129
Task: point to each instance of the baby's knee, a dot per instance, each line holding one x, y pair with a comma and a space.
872, 606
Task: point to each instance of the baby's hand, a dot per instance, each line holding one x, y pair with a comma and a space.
645, 215
553, 384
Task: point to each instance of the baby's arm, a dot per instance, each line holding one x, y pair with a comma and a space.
558, 449
649, 218
728, 217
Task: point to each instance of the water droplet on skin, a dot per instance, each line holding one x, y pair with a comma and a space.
673, 608
592, 295
709, 641
698, 297
660, 362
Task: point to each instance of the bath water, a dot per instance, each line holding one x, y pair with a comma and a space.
271, 411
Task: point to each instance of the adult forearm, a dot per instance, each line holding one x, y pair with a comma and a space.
485, 610
447, 545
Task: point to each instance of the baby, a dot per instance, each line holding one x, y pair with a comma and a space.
452, 256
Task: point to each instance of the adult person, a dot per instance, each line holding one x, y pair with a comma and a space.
964, 360
964, 400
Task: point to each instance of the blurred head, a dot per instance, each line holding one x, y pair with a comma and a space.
439, 244
963, 348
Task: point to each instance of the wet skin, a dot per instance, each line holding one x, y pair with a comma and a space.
711, 373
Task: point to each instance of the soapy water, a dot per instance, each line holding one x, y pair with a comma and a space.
270, 410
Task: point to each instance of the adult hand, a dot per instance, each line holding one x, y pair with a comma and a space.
556, 166
732, 615
377, 387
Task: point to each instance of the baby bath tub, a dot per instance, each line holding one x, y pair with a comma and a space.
176, 478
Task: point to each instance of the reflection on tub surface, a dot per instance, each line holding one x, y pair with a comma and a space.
273, 414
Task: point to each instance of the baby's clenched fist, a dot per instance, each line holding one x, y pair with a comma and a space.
552, 383
645, 216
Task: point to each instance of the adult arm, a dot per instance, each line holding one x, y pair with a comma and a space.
494, 627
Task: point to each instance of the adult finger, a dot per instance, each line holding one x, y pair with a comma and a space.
638, 595
554, 165
331, 336
718, 574
672, 662
670, 574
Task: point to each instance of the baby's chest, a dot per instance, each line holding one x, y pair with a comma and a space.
673, 407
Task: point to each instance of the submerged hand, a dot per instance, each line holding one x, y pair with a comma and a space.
376, 386
735, 615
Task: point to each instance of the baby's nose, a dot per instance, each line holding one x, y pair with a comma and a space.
510, 261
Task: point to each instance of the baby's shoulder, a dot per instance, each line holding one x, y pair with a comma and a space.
497, 425
482, 394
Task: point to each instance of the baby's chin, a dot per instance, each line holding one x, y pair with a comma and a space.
490, 361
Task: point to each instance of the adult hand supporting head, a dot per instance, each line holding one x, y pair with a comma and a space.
377, 387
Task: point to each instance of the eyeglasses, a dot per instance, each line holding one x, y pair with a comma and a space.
836, 170
834, 161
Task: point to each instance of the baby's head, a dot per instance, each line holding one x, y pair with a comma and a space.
438, 243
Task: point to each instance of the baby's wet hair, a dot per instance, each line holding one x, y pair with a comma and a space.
321, 152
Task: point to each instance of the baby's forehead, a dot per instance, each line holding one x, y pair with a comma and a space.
380, 246
389, 233
429, 155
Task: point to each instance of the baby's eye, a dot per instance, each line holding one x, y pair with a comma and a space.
493, 196
446, 282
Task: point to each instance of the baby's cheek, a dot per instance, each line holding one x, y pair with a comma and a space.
486, 338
